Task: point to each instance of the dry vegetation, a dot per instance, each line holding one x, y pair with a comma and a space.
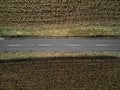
59, 18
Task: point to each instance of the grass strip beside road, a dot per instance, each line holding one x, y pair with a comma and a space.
73, 30
60, 55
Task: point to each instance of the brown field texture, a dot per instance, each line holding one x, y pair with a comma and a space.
59, 11
60, 74
59, 18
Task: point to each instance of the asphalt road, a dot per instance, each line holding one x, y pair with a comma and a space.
67, 45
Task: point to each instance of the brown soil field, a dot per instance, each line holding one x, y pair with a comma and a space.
35, 12
60, 74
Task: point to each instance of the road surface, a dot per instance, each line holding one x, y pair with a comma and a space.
66, 45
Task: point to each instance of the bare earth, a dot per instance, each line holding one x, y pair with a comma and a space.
60, 74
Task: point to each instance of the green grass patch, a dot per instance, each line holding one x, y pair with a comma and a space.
25, 55
67, 30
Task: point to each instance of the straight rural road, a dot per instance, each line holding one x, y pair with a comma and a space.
67, 45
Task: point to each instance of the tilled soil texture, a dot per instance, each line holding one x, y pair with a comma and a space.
77, 74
